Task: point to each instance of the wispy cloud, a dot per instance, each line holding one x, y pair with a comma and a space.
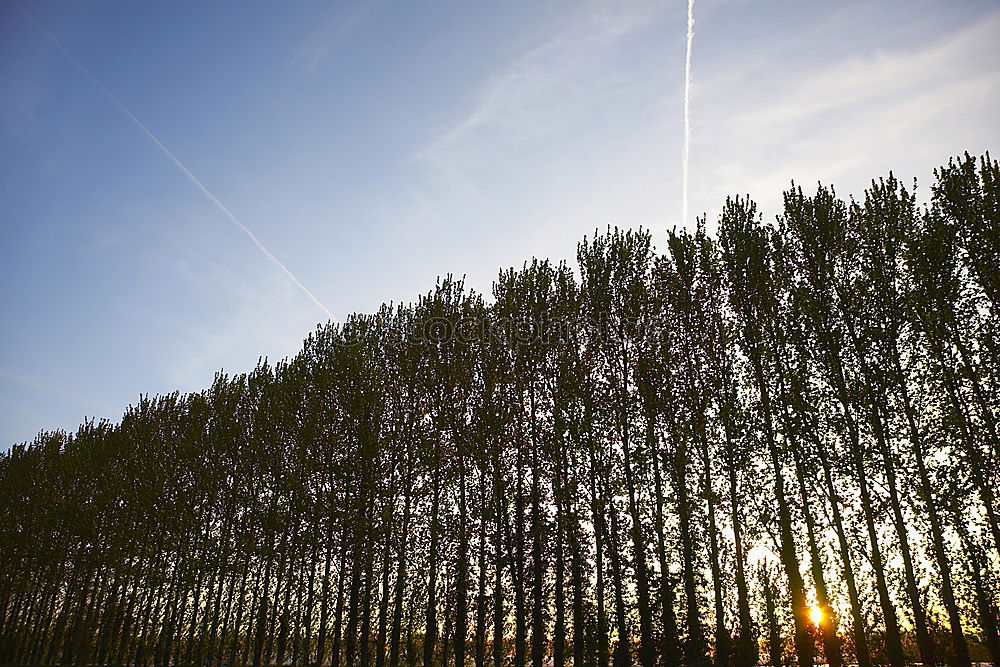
902, 108
569, 135
330, 31
261, 317
517, 99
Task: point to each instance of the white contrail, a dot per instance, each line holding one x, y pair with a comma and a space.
687, 114
184, 170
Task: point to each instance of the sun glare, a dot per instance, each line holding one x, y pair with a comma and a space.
816, 614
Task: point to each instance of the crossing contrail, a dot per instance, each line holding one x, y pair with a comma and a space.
180, 165
687, 114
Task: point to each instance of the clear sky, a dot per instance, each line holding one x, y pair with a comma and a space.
372, 146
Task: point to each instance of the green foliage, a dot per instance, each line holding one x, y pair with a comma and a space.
654, 458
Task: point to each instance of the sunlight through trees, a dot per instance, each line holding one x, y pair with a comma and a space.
775, 443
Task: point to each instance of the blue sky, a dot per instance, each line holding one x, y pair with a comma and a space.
372, 146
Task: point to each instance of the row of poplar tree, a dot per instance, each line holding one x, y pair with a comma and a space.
774, 443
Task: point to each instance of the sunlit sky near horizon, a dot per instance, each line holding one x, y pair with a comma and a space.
373, 146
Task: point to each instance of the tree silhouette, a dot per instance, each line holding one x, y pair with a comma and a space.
771, 442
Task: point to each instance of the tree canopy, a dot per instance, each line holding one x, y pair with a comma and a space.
776, 442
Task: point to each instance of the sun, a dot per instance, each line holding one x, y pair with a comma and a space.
816, 614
